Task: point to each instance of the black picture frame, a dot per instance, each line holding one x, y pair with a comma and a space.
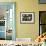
27, 17
41, 13
42, 1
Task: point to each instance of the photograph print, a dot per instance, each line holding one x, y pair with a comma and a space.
27, 17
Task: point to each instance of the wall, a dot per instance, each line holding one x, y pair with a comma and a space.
27, 30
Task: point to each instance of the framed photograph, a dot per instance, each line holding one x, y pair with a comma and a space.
27, 17
42, 1
42, 22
